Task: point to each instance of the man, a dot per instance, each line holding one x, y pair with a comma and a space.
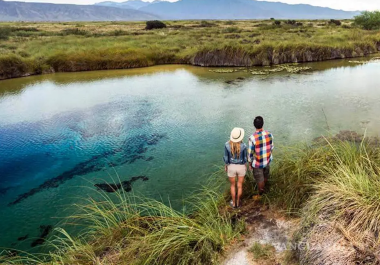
260, 146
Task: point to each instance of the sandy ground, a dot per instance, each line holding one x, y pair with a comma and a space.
264, 226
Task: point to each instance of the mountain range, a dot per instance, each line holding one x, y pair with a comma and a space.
22, 11
182, 9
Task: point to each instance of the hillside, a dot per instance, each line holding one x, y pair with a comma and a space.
134, 4
241, 9
20, 11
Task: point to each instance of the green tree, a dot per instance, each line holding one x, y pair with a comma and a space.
368, 20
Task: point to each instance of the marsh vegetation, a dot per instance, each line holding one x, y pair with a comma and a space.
35, 48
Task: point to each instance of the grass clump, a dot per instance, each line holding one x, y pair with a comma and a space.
265, 253
300, 170
133, 230
334, 186
74, 31
350, 196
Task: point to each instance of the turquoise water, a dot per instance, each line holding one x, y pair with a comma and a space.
60, 134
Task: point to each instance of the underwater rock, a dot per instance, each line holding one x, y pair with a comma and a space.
126, 185
44, 230
22, 238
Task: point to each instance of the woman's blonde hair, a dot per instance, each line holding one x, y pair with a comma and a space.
235, 149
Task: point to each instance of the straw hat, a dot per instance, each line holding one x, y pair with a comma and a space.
237, 135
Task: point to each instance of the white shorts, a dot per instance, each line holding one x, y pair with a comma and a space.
236, 170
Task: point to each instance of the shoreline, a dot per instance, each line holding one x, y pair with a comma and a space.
226, 57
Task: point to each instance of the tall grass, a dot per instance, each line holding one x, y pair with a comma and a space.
132, 230
334, 183
300, 170
349, 195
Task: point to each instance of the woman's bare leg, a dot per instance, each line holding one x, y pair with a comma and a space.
233, 190
240, 189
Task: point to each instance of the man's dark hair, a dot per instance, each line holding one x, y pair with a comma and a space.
258, 122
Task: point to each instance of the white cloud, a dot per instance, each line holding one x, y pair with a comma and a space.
337, 4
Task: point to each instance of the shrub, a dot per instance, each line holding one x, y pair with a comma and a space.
231, 30
291, 22
277, 23
74, 31
5, 32
118, 32
368, 20
205, 24
335, 22
12, 66
299, 24
155, 24
229, 22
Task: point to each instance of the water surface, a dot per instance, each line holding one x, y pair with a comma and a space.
62, 133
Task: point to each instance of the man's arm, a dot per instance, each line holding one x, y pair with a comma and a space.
271, 140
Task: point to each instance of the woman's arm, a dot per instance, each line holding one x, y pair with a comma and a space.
226, 158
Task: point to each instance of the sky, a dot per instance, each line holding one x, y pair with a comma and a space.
337, 4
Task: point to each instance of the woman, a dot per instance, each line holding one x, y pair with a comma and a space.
235, 159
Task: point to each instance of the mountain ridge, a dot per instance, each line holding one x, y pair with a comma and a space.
135, 10
242, 9
26, 11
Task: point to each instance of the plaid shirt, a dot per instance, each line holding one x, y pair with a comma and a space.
260, 146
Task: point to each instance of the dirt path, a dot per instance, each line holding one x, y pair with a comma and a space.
269, 233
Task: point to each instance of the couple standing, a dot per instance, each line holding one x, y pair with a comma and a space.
258, 155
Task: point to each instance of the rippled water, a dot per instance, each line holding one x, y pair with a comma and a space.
60, 134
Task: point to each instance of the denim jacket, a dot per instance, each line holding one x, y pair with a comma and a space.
241, 160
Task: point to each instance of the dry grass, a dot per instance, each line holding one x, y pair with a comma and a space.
97, 45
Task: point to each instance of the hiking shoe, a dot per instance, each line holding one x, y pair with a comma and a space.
232, 204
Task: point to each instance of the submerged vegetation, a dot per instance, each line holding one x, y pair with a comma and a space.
36, 48
332, 184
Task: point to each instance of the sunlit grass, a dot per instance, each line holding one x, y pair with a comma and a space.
81, 44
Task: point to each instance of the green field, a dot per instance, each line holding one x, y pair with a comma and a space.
35, 48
